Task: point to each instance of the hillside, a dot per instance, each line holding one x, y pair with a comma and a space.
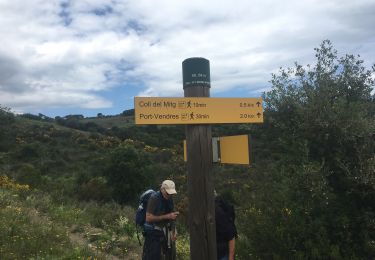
61, 176
109, 122
71, 178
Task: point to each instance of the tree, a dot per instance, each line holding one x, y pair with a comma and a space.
330, 109
129, 112
6, 134
320, 126
127, 173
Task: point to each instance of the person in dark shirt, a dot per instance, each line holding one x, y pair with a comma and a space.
159, 228
226, 231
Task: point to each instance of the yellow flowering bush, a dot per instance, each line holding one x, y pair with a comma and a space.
8, 183
183, 247
150, 149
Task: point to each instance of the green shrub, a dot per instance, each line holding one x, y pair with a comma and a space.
127, 172
29, 174
95, 189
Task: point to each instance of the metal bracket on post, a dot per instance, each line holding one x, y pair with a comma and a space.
215, 149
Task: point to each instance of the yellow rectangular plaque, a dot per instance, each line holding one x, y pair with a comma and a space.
235, 149
232, 149
197, 110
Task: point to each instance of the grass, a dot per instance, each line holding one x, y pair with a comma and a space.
183, 247
25, 235
34, 226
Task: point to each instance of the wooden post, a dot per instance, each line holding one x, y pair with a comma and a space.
196, 83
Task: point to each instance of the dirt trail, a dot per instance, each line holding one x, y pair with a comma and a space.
80, 239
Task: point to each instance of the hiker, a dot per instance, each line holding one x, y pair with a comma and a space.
226, 231
159, 229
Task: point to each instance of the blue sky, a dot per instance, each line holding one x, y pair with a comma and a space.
93, 56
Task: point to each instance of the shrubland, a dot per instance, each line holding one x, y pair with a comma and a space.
308, 193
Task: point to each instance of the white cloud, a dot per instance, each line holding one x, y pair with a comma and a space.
65, 53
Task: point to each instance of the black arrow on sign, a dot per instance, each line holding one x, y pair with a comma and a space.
258, 103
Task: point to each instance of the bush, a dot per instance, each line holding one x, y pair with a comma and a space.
28, 174
95, 189
127, 173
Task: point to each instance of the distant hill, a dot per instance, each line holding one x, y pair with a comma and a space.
108, 122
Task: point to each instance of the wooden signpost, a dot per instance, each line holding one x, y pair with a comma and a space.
197, 111
196, 83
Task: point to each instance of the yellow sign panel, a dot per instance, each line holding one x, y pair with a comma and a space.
197, 110
234, 149
185, 151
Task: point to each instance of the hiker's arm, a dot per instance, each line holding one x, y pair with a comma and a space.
169, 216
231, 248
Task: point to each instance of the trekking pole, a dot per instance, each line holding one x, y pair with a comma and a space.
139, 240
169, 231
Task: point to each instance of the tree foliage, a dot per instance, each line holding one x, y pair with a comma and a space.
127, 173
320, 194
6, 121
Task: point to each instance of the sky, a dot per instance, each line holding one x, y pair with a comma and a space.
93, 56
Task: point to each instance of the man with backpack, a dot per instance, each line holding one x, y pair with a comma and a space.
226, 231
159, 228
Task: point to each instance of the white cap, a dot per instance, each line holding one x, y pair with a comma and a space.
169, 187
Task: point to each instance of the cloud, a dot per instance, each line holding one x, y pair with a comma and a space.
54, 99
66, 53
11, 71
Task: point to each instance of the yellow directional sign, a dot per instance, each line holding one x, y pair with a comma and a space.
197, 110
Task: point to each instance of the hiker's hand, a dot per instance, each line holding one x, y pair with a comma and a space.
173, 215
174, 236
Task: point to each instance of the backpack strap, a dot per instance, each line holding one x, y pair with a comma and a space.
151, 226
159, 207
